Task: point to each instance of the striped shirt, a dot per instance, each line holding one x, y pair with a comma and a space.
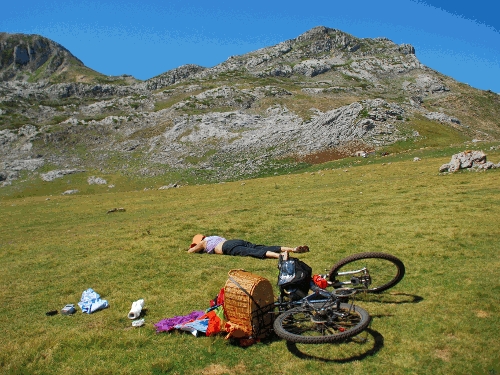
212, 242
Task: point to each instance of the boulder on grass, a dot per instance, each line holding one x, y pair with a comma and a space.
465, 160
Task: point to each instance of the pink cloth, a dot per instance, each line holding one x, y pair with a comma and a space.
168, 324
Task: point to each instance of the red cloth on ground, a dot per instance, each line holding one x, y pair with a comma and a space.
219, 300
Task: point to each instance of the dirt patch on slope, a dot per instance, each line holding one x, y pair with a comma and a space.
336, 153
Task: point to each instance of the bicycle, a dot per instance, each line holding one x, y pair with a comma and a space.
326, 316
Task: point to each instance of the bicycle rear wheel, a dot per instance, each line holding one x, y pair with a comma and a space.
385, 271
314, 325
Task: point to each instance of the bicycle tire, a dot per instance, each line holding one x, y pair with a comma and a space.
300, 324
385, 273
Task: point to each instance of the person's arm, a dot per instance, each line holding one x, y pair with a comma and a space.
198, 248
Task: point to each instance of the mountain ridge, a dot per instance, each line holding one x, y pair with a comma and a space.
325, 92
24, 50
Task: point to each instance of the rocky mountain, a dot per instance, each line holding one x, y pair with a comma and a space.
33, 58
322, 95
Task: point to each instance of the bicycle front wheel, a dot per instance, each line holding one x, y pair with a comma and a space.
315, 325
384, 270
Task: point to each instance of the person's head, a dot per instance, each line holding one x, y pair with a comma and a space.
197, 239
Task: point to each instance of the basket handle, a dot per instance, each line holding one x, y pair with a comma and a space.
244, 291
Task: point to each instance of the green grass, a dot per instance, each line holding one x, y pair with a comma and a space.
170, 101
431, 134
13, 121
39, 72
204, 157
58, 119
443, 318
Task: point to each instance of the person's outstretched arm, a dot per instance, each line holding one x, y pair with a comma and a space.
198, 248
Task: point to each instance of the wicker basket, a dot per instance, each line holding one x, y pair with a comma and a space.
248, 303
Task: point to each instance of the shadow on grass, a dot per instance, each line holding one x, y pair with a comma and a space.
307, 351
392, 298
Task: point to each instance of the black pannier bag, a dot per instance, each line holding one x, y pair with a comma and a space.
294, 278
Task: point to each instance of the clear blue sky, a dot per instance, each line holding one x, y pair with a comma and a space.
148, 37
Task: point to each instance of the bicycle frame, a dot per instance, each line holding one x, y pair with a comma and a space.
364, 278
283, 303
318, 296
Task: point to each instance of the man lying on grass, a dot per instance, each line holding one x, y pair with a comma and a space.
219, 245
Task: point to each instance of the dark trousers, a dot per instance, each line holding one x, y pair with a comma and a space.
247, 249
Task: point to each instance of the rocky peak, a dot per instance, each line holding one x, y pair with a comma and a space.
23, 55
406, 49
323, 39
321, 50
318, 32
34, 58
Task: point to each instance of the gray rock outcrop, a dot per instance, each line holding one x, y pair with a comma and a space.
52, 175
467, 159
92, 180
70, 192
441, 117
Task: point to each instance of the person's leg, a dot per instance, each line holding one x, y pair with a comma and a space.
271, 251
278, 249
283, 254
245, 248
285, 250
242, 248
298, 249
272, 255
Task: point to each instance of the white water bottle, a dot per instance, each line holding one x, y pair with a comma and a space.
136, 309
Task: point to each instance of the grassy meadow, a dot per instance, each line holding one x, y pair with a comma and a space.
443, 318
